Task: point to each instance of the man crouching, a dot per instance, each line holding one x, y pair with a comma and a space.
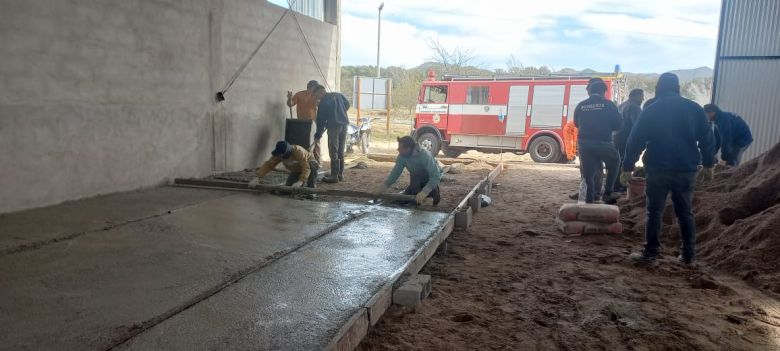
424, 172
300, 162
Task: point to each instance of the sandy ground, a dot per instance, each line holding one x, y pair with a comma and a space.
512, 282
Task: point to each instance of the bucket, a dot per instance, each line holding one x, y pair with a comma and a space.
636, 188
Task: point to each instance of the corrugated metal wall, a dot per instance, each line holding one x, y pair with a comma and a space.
751, 27
747, 68
311, 8
751, 88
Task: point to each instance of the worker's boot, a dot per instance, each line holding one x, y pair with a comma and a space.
611, 198
644, 258
341, 170
335, 165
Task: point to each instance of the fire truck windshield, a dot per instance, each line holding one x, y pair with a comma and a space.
435, 94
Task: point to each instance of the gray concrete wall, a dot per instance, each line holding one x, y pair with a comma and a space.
106, 96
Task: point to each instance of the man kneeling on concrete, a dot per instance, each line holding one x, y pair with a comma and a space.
300, 162
424, 172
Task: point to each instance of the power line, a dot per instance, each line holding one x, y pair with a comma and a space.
229, 84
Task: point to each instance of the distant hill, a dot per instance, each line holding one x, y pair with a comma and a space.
695, 83
685, 75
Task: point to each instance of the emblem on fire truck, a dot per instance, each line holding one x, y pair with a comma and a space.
436, 118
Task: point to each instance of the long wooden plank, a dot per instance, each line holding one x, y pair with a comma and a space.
290, 190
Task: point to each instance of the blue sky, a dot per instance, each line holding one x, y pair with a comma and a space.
640, 35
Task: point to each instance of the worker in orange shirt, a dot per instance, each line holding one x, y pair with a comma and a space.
306, 108
570, 140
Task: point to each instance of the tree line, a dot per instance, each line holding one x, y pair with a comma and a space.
460, 61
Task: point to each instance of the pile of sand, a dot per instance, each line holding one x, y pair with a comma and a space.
738, 221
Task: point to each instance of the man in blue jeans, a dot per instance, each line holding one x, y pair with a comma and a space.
678, 137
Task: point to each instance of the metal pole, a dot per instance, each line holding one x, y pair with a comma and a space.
389, 103
357, 102
378, 38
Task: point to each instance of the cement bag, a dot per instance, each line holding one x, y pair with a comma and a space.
600, 213
579, 228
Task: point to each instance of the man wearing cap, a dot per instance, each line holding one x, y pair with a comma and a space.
596, 118
732, 134
301, 164
677, 137
424, 172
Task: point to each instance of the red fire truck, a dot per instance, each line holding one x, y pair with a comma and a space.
502, 114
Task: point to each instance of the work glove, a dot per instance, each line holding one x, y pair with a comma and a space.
297, 184
625, 177
421, 196
254, 182
380, 190
705, 175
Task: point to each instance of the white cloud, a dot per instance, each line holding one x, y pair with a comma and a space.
641, 35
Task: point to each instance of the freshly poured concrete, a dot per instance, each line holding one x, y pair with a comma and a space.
244, 271
95, 290
34, 228
301, 300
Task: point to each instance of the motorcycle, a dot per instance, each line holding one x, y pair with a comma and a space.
360, 136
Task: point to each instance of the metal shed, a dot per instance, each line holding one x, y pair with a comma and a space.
747, 68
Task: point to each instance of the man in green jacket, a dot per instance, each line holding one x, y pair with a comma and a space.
424, 172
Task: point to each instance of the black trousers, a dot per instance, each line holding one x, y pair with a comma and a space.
337, 141
592, 156
657, 189
311, 182
417, 182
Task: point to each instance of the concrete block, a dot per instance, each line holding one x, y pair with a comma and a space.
351, 334
443, 249
413, 291
475, 203
463, 218
378, 305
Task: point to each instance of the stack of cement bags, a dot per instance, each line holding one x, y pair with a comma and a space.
589, 219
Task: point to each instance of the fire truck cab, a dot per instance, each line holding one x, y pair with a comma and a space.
502, 114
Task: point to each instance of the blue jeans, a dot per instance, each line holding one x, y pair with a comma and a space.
658, 187
594, 155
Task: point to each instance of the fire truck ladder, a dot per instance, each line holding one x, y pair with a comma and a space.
454, 78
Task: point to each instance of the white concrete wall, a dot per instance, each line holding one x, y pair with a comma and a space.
105, 96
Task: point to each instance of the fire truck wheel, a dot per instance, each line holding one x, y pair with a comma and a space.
430, 142
545, 149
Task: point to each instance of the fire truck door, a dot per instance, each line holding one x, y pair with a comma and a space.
517, 110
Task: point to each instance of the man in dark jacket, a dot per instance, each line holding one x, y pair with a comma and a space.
675, 132
732, 134
596, 118
332, 116
629, 110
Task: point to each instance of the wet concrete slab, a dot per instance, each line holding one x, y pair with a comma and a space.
98, 289
37, 227
301, 301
